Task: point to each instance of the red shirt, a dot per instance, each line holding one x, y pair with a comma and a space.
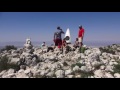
81, 31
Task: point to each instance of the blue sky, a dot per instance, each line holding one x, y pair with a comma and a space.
40, 26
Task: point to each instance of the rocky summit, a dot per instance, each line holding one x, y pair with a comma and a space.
31, 62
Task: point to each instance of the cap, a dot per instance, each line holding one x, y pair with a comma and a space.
58, 27
80, 26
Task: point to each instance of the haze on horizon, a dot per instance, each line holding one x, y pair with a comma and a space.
40, 26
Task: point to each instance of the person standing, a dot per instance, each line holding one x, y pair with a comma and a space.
81, 35
43, 44
58, 37
76, 45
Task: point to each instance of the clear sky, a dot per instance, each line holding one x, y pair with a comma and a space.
40, 26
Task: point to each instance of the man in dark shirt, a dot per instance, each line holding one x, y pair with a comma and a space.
58, 37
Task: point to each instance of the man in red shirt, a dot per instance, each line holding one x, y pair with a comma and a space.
81, 35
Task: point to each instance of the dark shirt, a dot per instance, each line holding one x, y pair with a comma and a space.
58, 34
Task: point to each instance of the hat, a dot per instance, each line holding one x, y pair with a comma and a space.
58, 27
80, 26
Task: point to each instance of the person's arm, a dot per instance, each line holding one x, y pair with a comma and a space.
62, 31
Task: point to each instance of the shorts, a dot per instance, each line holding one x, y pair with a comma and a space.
80, 39
58, 42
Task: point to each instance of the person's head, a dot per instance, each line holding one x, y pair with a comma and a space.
76, 39
58, 28
80, 26
43, 43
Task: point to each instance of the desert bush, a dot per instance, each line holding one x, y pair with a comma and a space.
117, 68
4, 65
86, 74
107, 50
9, 47
83, 73
82, 49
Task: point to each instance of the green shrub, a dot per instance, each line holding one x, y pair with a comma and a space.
4, 65
83, 74
9, 47
82, 49
86, 74
117, 68
107, 50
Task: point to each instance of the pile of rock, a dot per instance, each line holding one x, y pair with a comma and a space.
38, 63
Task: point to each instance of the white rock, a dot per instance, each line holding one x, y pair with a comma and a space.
82, 61
27, 71
112, 60
115, 63
117, 75
25, 54
12, 75
87, 52
10, 71
86, 68
95, 63
15, 60
53, 67
70, 76
76, 68
97, 51
21, 71
111, 56
4, 71
50, 74
82, 55
51, 57
92, 77
43, 67
47, 71
111, 63
109, 68
21, 75
105, 62
23, 67
59, 74
102, 67
15, 55
99, 73
104, 54
36, 73
67, 72
108, 75
42, 73
78, 76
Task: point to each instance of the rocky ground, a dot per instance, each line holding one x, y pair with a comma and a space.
33, 62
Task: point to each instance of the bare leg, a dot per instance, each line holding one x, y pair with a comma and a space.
80, 44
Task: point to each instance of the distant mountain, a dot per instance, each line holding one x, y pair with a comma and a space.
35, 43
